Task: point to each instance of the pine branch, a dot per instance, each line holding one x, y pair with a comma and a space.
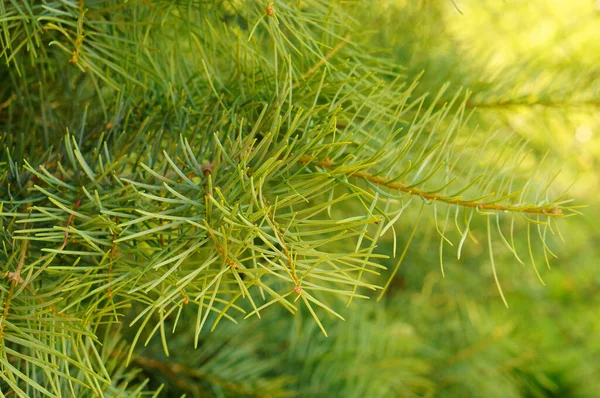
322, 61
225, 158
432, 197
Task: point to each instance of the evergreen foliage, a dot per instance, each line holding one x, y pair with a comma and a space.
257, 170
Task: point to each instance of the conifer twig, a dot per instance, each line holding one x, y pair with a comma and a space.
69, 221
387, 182
224, 255
41, 300
113, 254
286, 252
322, 61
15, 278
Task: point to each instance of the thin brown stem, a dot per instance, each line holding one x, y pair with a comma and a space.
113, 254
15, 278
41, 300
146, 2
322, 61
226, 258
6, 103
80, 35
69, 221
286, 252
458, 201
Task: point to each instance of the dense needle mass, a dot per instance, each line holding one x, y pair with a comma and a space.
260, 170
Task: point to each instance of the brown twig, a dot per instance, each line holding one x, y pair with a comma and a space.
69, 221
387, 182
41, 300
6, 103
226, 258
286, 252
322, 61
146, 2
15, 278
113, 254
79, 39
